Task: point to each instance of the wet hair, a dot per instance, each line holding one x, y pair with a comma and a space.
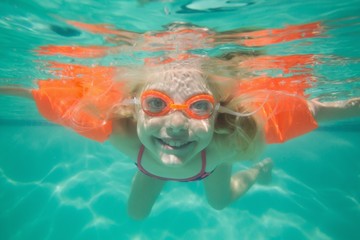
242, 134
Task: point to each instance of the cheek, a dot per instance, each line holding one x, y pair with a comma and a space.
202, 129
149, 124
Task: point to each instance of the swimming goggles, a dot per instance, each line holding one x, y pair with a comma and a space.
201, 106
155, 103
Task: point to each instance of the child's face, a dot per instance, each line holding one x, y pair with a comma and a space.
175, 138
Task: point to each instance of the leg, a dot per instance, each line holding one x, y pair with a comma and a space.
144, 192
222, 188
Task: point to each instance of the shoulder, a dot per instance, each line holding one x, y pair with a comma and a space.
228, 150
224, 153
124, 137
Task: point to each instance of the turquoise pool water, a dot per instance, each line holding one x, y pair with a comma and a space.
55, 184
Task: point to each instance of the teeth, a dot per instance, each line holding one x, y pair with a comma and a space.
174, 143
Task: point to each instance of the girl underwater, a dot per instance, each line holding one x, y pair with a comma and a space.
184, 117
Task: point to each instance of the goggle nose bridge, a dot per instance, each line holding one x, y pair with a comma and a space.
175, 106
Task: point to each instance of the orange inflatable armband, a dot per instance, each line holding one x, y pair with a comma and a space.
281, 104
76, 51
273, 36
83, 103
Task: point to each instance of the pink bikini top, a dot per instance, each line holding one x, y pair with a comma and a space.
201, 175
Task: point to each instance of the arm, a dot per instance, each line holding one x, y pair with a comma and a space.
144, 192
329, 111
222, 188
16, 91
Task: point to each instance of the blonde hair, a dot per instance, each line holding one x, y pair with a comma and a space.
243, 134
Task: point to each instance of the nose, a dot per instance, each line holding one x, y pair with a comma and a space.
177, 124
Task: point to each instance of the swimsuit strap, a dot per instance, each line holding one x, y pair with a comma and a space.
202, 174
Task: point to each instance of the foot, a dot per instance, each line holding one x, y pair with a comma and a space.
265, 171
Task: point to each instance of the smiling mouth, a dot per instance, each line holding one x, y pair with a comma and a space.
173, 144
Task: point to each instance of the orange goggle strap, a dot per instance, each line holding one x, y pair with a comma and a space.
170, 105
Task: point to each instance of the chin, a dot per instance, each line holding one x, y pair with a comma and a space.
174, 155
172, 160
